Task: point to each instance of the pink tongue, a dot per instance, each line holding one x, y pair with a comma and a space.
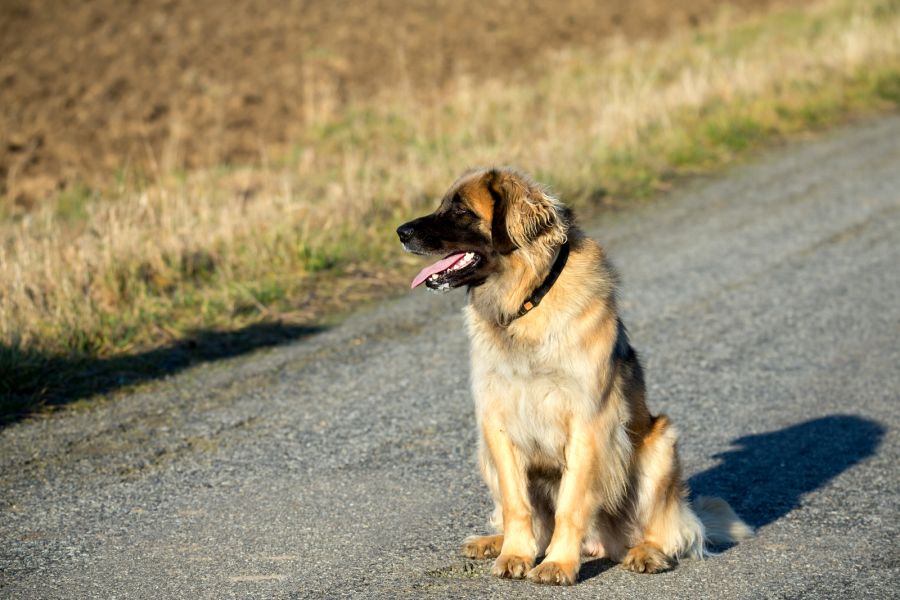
441, 265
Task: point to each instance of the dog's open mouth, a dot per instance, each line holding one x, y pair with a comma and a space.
441, 274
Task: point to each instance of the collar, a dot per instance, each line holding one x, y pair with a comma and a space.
540, 291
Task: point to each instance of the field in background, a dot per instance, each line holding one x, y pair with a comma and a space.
103, 90
91, 277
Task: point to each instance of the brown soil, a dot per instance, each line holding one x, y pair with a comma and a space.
94, 89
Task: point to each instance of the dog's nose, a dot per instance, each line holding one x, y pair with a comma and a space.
405, 232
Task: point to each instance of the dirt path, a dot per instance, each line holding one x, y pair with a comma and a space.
764, 303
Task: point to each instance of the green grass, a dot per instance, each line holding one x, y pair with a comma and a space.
71, 204
100, 289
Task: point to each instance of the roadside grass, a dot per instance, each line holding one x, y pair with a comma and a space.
97, 275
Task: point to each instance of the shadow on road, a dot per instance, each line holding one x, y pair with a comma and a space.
29, 380
765, 477
594, 568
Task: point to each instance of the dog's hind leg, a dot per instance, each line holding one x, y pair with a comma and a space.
666, 527
483, 546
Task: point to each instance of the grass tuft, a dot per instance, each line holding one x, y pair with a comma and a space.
887, 86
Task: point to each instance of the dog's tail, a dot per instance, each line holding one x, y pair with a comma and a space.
720, 523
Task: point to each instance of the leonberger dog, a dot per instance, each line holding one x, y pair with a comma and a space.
576, 463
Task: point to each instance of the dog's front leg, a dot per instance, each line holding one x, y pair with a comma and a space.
519, 547
576, 504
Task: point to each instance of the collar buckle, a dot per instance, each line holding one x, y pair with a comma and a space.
539, 292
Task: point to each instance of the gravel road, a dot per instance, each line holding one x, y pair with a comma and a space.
766, 304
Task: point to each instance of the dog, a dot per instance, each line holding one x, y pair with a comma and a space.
574, 461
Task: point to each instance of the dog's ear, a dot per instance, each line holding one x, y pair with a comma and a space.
522, 211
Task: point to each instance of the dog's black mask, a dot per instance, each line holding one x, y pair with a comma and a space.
457, 232
485, 216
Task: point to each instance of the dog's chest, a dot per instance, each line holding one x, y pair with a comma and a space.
535, 390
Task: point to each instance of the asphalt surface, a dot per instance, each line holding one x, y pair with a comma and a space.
766, 305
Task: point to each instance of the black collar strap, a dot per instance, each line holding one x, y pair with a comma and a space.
539, 292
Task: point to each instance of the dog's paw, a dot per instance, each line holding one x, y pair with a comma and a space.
509, 566
646, 558
482, 546
555, 573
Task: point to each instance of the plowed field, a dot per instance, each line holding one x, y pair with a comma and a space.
95, 90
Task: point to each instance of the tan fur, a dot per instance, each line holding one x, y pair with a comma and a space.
483, 546
534, 211
568, 447
479, 200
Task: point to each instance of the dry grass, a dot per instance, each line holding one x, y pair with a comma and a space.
293, 239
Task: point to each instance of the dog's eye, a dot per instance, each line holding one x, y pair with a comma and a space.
460, 211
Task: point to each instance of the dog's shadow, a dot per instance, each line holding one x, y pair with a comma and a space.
594, 567
767, 474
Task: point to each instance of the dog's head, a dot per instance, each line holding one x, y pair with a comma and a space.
486, 215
